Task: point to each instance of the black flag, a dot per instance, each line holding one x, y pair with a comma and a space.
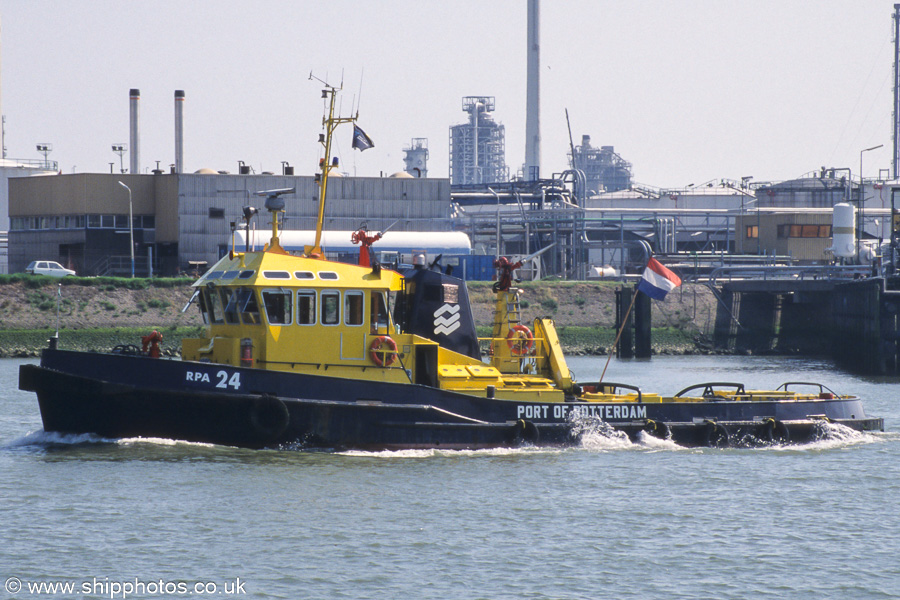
360, 140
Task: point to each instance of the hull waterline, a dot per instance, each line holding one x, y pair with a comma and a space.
130, 396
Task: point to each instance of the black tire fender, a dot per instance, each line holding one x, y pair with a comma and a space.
657, 429
717, 436
269, 416
525, 432
775, 432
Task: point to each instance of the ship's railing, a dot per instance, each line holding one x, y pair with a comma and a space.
486, 344
31, 163
120, 266
795, 273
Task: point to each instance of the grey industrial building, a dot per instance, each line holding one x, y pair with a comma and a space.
183, 219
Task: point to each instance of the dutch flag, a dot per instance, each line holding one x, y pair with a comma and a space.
657, 281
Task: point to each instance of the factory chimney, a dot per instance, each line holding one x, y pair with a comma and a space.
533, 95
896, 133
135, 97
2, 131
179, 130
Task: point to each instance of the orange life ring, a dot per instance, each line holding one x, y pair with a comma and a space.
520, 340
383, 351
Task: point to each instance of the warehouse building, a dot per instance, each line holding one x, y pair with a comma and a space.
183, 220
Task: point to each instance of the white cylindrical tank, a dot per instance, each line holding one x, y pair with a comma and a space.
843, 230
604, 271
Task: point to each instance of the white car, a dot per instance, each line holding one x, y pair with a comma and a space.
48, 267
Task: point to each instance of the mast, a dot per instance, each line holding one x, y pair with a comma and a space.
330, 123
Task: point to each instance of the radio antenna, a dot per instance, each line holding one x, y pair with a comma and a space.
361, 71
325, 83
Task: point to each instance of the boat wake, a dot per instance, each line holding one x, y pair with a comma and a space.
830, 436
50, 439
589, 433
154, 441
597, 435
432, 452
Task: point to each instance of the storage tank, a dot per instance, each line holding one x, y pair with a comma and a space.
843, 230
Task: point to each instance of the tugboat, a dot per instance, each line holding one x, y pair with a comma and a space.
302, 352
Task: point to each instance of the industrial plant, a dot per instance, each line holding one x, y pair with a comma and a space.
827, 225
599, 221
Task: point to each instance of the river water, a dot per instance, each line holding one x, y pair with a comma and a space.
609, 519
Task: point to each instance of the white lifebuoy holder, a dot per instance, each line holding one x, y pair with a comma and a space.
520, 340
383, 351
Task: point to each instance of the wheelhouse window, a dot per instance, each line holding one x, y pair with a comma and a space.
247, 306
353, 308
276, 274
214, 305
306, 307
379, 315
278, 306
230, 301
331, 308
203, 303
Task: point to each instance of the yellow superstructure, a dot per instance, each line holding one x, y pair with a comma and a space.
275, 311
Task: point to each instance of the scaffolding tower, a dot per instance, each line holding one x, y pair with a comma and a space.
478, 148
604, 170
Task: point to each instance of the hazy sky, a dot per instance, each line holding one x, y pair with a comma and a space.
688, 91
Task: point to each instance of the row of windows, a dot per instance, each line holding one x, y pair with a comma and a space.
804, 231
794, 231
81, 221
233, 306
227, 275
30, 223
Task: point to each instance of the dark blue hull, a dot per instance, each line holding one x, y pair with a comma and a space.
131, 396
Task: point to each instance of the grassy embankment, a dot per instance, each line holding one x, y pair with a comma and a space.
95, 313
100, 313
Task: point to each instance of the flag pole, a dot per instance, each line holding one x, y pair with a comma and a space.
618, 335
58, 300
